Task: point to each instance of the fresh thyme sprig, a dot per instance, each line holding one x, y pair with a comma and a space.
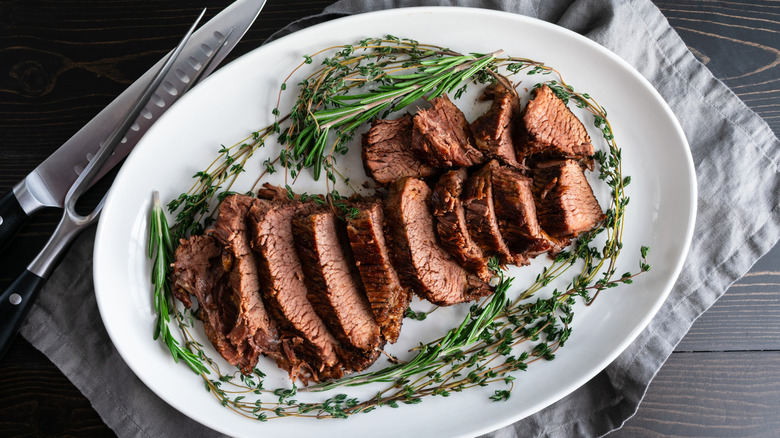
429, 355
402, 71
497, 337
194, 206
309, 135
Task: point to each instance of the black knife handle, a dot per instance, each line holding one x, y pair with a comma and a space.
15, 304
12, 217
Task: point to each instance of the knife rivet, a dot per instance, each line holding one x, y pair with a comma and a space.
15, 299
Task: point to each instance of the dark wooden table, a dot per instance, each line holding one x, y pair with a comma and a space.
63, 61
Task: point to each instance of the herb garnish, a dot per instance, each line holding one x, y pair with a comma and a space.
498, 336
161, 251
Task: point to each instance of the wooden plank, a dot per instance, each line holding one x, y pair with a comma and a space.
711, 394
64, 62
739, 41
747, 317
38, 400
730, 393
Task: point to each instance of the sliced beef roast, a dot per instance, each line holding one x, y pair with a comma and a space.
493, 131
442, 136
516, 212
198, 270
334, 288
451, 224
566, 206
388, 298
254, 331
284, 291
387, 152
548, 127
421, 262
481, 218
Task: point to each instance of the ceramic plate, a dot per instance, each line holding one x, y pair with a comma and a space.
238, 99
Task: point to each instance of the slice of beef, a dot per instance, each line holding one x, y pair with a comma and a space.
387, 152
334, 287
387, 297
198, 270
421, 262
254, 331
270, 192
442, 136
284, 291
494, 130
451, 224
481, 218
566, 206
549, 128
516, 213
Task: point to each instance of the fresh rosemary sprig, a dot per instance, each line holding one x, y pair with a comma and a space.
432, 355
398, 67
161, 250
497, 337
403, 72
308, 136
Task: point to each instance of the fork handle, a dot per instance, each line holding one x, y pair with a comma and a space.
12, 217
15, 304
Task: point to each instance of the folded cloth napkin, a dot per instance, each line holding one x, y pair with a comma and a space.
736, 157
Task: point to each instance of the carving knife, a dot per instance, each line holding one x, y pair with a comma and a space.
47, 184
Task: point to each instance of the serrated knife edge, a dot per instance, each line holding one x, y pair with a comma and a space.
48, 183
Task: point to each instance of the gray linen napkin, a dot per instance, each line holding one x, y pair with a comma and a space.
736, 157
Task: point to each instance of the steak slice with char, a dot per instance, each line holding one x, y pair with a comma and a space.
334, 289
387, 152
494, 130
516, 212
481, 218
284, 291
451, 224
387, 297
442, 136
198, 270
254, 331
548, 127
566, 206
421, 262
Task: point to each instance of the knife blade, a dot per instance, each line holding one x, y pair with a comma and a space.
18, 299
47, 184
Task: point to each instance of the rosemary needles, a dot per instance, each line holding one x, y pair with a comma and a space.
161, 250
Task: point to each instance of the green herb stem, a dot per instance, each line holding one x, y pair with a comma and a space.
160, 248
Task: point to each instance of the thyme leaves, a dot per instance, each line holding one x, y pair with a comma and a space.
331, 106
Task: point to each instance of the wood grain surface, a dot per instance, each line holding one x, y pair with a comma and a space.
61, 62
724, 378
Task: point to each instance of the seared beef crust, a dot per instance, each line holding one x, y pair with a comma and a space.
451, 224
254, 331
421, 262
549, 128
388, 298
387, 152
334, 288
442, 136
